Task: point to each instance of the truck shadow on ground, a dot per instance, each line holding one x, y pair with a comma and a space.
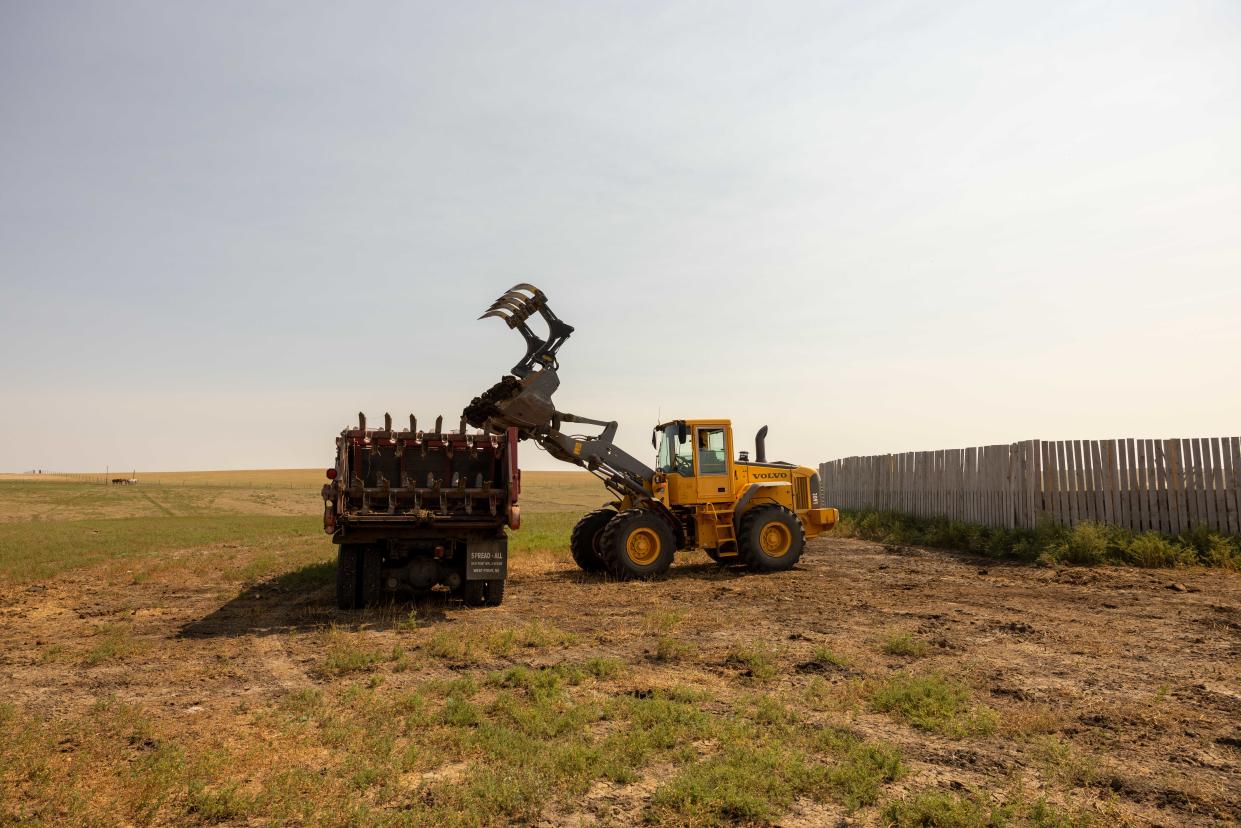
304, 600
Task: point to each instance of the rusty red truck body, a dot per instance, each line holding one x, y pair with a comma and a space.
415, 512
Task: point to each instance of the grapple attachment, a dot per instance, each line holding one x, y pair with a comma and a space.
523, 400
515, 307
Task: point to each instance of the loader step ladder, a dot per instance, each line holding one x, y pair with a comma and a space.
725, 537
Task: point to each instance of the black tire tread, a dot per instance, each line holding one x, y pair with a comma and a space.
370, 578
750, 553
482, 593
347, 576
581, 542
474, 593
608, 546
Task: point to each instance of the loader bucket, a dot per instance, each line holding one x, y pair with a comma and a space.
524, 404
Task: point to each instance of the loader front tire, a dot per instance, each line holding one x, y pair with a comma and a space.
637, 544
771, 539
584, 542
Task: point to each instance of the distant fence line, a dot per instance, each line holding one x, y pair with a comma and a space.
1165, 486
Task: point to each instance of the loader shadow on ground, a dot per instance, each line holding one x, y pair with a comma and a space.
709, 571
304, 600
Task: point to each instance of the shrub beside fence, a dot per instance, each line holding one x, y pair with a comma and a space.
1168, 486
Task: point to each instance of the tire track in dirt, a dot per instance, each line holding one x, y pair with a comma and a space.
157, 504
275, 659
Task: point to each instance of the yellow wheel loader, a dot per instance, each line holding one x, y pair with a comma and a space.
740, 511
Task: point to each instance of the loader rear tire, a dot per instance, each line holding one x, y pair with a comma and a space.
637, 544
771, 539
584, 542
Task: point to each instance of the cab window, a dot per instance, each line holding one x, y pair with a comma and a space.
684, 456
675, 457
712, 451
663, 463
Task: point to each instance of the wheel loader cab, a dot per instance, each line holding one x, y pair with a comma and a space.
696, 457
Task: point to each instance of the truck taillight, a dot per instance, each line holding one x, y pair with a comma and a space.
514, 517
331, 474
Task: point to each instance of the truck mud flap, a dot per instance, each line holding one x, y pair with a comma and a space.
487, 560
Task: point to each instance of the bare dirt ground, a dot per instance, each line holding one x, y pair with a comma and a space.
1116, 692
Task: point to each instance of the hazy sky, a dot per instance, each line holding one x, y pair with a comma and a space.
227, 227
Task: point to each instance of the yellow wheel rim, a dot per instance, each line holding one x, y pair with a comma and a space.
775, 540
642, 546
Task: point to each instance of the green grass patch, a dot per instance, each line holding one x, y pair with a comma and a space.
349, 659
905, 645
670, 648
824, 656
1064, 762
603, 668
36, 550
1085, 544
943, 809
113, 642
756, 660
543, 532
933, 702
470, 646
863, 768
741, 784
663, 621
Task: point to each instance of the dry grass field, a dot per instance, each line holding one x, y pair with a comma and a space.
170, 654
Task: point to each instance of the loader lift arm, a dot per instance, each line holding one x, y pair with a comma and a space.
619, 470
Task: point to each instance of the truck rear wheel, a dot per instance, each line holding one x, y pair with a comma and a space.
370, 579
347, 570
584, 542
482, 593
637, 544
359, 575
772, 539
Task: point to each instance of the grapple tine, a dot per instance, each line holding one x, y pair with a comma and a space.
516, 306
511, 305
507, 299
515, 296
538, 294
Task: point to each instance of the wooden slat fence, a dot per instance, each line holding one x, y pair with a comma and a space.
1165, 486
